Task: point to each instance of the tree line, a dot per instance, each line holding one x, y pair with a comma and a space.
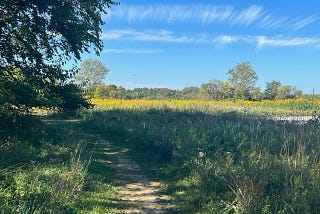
241, 84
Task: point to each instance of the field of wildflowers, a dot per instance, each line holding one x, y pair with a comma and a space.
290, 107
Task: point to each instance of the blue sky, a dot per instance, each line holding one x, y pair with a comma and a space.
176, 44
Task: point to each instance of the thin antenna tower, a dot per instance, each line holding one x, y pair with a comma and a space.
134, 81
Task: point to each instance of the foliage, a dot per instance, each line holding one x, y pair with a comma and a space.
117, 92
189, 93
71, 98
105, 91
37, 39
90, 75
213, 90
216, 90
242, 79
272, 89
288, 91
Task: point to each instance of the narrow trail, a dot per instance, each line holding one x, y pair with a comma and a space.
137, 193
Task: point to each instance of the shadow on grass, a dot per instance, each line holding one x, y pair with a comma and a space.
34, 156
99, 195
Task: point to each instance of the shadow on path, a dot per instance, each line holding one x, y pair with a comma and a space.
137, 194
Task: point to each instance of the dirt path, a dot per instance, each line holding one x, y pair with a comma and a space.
137, 193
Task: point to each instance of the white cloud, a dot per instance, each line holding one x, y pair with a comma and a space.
177, 13
148, 35
267, 41
208, 14
161, 36
225, 39
116, 34
131, 51
303, 22
203, 13
249, 15
271, 22
263, 41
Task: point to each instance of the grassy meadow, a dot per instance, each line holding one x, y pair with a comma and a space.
222, 156
210, 157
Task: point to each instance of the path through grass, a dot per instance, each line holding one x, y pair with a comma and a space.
136, 193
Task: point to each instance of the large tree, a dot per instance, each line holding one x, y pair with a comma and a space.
90, 75
242, 79
37, 39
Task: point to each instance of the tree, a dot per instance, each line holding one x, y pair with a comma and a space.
256, 94
90, 75
165, 93
110, 91
242, 79
227, 90
37, 38
288, 92
102, 91
212, 90
298, 93
190, 93
272, 89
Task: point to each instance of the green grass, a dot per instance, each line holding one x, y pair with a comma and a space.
222, 162
52, 168
207, 162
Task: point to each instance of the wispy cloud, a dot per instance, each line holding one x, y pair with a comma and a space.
205, 14
263, 41
148, 35
249, 15
303, 22
267, 41
209, 14
271, 22
131, 51
117, 34
162, 36
225, 39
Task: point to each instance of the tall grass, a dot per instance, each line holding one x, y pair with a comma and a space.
220, 161
46, 168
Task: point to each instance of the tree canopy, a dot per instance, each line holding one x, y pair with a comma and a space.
90, 75
242, 79
37, 39
272, 89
